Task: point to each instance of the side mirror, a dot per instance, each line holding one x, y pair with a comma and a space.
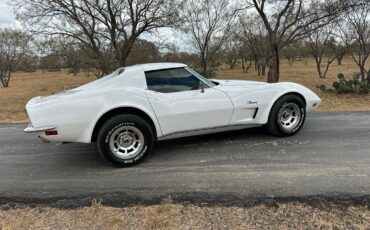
201, 87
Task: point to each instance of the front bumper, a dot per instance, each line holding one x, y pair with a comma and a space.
31, 129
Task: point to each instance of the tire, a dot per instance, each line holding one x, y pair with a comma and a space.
125, 140
287, 116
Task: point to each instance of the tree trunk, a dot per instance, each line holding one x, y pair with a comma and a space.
259, 69
243, 65
256, 65
103, 69
339, 60
274, 71
125, 51
318, 66
363, 74
232, 63
290, 59
204, 66
205, 70
320, 73
5, 78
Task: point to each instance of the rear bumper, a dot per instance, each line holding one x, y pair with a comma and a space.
31, 129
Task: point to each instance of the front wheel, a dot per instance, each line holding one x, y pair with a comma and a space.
287, 116
125, 140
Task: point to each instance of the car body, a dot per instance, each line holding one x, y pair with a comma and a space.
174, 107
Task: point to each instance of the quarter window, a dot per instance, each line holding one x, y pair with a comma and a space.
172, 80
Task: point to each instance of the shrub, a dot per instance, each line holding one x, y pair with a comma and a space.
73, 71
54, 70
29, 70
344, 85
44, 89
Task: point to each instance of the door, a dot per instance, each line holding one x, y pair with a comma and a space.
183, 102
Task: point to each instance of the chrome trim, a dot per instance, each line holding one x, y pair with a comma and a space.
199, 76
231, 127
31, 129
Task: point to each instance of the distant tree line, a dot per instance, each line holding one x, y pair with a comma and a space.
97, 36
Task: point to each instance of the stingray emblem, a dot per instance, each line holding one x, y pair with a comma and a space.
252, 102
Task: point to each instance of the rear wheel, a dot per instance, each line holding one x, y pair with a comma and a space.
287, 116
125, 140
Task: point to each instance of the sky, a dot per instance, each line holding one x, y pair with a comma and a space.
7, 18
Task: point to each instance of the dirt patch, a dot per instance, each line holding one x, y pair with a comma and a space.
24, 86
287, 215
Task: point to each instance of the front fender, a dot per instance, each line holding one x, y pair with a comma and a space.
312, 100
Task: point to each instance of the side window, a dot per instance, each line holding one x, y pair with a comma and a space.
171, 80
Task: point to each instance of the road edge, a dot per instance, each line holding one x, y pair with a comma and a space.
121, 200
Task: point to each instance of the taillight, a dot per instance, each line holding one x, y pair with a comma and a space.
51, 132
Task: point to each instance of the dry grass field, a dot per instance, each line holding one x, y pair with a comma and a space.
24, 86
176, 216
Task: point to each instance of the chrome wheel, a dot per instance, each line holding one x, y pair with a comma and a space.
126, 142
289, 116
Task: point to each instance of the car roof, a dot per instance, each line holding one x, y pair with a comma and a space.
156, 66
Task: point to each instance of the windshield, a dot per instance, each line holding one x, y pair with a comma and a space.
205, 80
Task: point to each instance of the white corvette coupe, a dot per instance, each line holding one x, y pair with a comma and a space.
128, 110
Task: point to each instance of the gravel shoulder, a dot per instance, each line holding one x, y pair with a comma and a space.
283, 215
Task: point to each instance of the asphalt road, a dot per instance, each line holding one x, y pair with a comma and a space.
329, 157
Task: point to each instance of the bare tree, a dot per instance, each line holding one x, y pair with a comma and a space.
50, 63
105, 30
171, 53
209, 23
29, 63
144, 52
339, 49
14, 45
320, 43
229, 51
286, 21
291, 52
355, 33
246, 57
254, 40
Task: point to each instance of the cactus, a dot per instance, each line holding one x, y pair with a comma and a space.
356, 77
321, 87
344, 86
330, 90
